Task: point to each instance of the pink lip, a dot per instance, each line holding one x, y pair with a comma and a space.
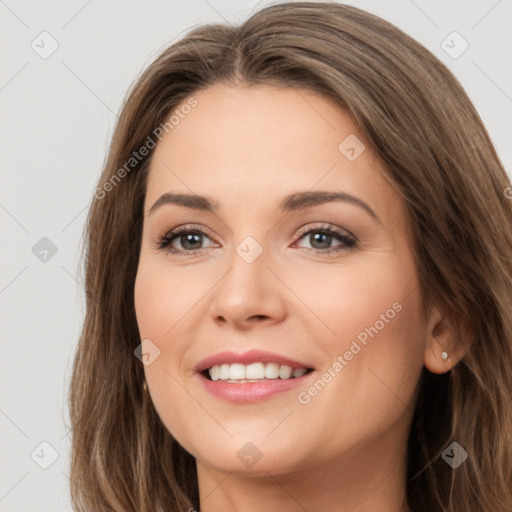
252, 356
250, 391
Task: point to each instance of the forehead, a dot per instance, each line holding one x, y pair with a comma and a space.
239, 143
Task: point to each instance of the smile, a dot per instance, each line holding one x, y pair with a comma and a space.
251, 376
254, 372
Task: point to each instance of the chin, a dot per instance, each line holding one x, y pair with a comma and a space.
256, 459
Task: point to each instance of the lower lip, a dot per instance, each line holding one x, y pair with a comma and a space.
251, 391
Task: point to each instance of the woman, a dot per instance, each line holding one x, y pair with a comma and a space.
225, 365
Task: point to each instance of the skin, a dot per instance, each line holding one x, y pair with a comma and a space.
345, 450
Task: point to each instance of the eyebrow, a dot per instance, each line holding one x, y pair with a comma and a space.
292, 202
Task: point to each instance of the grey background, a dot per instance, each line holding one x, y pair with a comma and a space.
57, 118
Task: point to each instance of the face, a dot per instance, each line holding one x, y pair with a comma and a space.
326, 284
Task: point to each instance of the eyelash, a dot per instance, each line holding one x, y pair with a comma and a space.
164, 241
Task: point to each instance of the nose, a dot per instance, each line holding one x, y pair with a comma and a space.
249, 293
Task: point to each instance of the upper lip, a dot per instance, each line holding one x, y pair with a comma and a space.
252, 356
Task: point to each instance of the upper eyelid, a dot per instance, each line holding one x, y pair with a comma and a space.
325, 226
302, 230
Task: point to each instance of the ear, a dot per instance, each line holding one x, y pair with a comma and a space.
443, 336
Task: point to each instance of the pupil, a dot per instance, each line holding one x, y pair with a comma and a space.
187, 238
326, 241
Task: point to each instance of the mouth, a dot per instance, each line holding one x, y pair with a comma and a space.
218, 382
252, 376
255, 372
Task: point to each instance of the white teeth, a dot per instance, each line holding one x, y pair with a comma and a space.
215, 372
253, 372
271, 371
224, 372
285, 372
237, 371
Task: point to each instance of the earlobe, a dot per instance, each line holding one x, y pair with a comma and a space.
438, 360
444, 347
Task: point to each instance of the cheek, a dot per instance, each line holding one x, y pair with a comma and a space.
355, 299
164, 295
374, 320
150, 298
159, 306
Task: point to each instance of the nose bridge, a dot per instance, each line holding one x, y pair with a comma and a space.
248, 289
248, 266
250, 250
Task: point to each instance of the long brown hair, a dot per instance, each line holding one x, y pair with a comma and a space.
436, 153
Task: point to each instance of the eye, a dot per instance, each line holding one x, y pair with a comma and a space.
189, 237
322, 236
192, 237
